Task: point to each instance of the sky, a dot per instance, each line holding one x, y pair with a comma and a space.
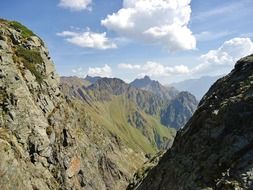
168, 40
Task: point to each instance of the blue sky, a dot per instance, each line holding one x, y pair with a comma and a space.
170, 40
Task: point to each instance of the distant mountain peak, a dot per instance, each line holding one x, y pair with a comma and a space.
92, 79
142, 82
146, 83
146, 77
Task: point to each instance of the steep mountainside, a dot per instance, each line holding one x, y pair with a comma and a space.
131, 113
179, 107
179, 110
91, 79
215, 148
154, 86
170, 107
48, 142
198, 87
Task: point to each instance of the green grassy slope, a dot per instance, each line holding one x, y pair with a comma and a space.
115, 114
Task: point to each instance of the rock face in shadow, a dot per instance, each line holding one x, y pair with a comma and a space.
215, 148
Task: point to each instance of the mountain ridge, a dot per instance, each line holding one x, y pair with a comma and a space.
214, 149
157, 88
148, 100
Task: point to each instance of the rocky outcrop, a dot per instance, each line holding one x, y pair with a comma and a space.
214, 150
48, 142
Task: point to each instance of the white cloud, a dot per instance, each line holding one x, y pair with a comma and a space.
160, 22
128, 66
156, 69
88, 39
224, 58
76, 5
105, 71
215, 62
79, 72
229, 52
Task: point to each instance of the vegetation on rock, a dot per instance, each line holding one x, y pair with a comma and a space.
25, 32
31, 60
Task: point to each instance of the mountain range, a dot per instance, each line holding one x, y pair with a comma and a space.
104, 134
72, 133
172, 107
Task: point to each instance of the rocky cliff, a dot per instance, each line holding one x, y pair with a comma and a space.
215, 148
48, 142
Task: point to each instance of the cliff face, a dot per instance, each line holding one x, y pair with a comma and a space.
46, 141
215, 148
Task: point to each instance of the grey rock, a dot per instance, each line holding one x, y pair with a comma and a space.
41, 135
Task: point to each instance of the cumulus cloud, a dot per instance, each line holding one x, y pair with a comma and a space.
159, 70
214, 62
79, 72
104, 71
156, 69
88, 39
128, 66
161, 22
76, 5
229, 52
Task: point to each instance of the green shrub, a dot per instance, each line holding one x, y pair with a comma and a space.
25, 32
32, 68
31, 59
31, 56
